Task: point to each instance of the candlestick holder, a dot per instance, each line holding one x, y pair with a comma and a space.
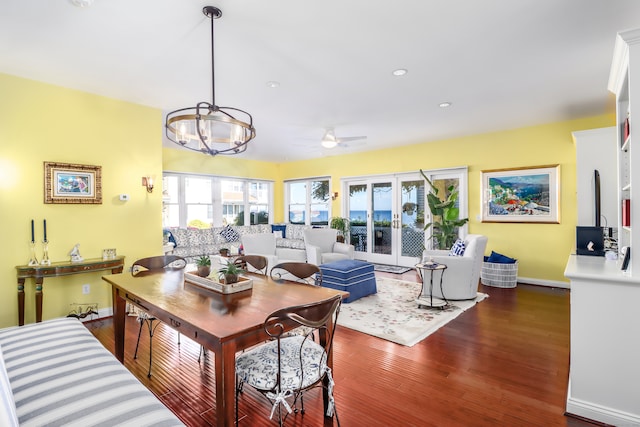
45, 253
32, 247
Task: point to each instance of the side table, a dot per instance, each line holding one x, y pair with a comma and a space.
57, 269
431, 302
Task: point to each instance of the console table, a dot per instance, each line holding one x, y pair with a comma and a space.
56, 269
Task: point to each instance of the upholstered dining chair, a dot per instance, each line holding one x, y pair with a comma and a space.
257, 263
147, 266
301, 272
289, 365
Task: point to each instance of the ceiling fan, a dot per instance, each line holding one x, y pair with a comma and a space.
330, 140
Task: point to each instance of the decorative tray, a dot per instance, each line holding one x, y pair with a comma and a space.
243, 283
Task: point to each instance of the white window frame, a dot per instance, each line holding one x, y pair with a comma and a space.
308, 201
216, 188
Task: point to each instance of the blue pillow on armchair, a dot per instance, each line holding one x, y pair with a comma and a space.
458, 248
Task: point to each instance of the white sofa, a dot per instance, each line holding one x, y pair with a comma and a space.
265, 244
57, 373
322, 247
460, 280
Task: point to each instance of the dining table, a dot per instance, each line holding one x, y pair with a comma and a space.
224, 323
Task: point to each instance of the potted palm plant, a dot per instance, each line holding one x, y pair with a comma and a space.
204, 266
230, 272
343, 225
445, 214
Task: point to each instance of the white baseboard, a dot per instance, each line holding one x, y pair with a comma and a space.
542, 282
601, 413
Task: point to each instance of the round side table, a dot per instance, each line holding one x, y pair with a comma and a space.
430, 301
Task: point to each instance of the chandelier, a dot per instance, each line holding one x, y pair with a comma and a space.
207, 127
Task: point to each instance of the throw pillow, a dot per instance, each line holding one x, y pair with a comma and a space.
278, 234
230, 234
497, 258
281, 228
458, 248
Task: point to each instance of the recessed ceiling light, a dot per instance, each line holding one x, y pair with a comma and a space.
400, 72
444, 104
81, 3
273, 84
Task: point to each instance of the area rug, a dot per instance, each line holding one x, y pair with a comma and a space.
390, 268
393, 314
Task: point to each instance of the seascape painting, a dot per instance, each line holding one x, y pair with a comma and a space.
521, 195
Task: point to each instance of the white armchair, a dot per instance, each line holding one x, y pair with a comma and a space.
265, 244
460, 280
322, 247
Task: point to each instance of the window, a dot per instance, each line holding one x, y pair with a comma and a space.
204, 201
308, 201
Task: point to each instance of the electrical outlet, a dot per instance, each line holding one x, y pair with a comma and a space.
86, 289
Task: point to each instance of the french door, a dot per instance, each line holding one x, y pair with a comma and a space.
388, 214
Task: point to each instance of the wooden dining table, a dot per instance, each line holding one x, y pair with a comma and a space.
222, 323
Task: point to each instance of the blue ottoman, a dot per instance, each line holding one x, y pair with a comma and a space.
354, 276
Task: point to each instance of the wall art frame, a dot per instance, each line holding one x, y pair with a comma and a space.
521, 195
72, 183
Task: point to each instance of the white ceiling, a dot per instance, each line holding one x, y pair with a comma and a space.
503, 64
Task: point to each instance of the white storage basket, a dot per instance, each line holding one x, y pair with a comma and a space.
499, 275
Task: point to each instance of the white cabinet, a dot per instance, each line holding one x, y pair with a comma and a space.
604, 378
625, 70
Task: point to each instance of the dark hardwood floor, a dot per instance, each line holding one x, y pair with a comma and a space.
503, 363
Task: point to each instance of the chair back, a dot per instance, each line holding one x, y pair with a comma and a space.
319, 320
300, 272
258, 263
324, 238
157, 263
259, 244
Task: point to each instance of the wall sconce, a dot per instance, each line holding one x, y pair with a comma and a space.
334, 195
147, 181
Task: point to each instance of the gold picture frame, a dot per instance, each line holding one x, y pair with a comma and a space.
71, 183
521, 195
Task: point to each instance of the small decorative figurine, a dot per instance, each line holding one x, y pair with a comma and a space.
75, 254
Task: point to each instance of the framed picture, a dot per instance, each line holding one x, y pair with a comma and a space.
72, 183
530, 194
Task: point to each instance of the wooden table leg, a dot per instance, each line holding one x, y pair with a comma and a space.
225, 368
119, 309
21, 301
39, 282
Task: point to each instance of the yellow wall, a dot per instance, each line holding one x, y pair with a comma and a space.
542, 249
40, 122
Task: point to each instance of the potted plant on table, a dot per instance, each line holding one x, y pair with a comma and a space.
342, 225
204, 266
230, 272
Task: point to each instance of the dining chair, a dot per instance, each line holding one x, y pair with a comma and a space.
146, 266
301, 272
258, 263
287, 366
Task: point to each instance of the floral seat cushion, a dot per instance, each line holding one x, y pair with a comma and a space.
258, 367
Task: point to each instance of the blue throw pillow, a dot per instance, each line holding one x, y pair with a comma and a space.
458, 248
170, 237
282, 228
497, 258
230, 234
